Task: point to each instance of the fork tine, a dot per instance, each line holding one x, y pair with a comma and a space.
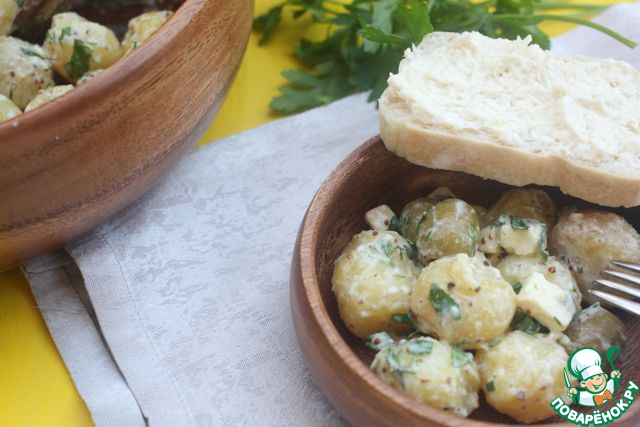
619, 287
624, 276
625, 304
627, 266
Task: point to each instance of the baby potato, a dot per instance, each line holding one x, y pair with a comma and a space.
525, 203
141, 27
372, 281
412, 215
516, 269
8, 109
522, 374
8, 11
451, 227
47, 95
589, 240
594, 327
76, 45
24, 70
432, 372
463, 300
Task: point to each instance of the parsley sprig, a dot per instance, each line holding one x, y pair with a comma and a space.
366, 38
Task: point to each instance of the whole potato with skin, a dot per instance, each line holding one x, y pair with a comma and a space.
589, 240
24, 70
141, 27
451, 227
76, 45
412, 215
594, 327
522, 374
8, 109
8, 11
526, 203
463, 300
432, 372
372, 280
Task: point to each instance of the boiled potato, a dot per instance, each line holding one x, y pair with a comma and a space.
522, 374
76, 45
524, 203
432, 372
8, 11
24, 70
589, 240
88, 76
594, 327
412, 215
141, 27
514, 235
516, 269
47, 95
451, 227
372, 281
8, 109
463, 300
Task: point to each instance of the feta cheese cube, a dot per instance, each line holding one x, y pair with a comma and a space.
546, 302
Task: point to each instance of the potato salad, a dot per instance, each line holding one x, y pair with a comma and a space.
74, 50
458, 299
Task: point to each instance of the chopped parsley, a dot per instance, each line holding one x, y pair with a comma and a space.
394, 224
460, 358
517, 287
65, 32
443, 303
557, 321
402, 319
491, 386
542, 244
420, 346
523, 322
379, 340
80, 59
412, 252
30, 52
518, 223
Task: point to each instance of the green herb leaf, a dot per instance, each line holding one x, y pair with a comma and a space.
30, 52
420, 346
412, 251
491, 386
379, 340
542, 244
460, 358
65, 32
394, 225
523, 322
518, 223
517, 287
402, 319
443, 303
80, 59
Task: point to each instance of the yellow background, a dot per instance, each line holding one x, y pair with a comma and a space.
35, 387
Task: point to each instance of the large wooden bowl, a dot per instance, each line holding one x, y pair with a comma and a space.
70, 164
337, 359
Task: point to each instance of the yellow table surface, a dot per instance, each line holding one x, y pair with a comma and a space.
35, 387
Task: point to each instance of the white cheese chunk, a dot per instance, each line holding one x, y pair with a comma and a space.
528, 240
379, 218
546, 302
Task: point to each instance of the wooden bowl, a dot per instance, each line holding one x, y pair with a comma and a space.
338, 360
71, 164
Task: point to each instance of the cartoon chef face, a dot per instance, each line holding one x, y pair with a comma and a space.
595, 384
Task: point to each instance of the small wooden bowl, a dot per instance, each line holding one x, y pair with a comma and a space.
71, 164
338, 360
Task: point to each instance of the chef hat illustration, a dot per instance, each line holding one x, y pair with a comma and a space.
585, 363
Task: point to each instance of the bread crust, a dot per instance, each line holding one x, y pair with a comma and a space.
505, 164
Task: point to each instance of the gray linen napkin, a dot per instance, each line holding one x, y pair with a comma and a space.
176, 312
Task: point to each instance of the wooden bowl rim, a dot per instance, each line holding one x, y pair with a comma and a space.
311, 232
111, 78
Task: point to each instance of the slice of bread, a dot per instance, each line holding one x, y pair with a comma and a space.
509, 111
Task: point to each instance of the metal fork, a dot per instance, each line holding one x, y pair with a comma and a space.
627, 282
